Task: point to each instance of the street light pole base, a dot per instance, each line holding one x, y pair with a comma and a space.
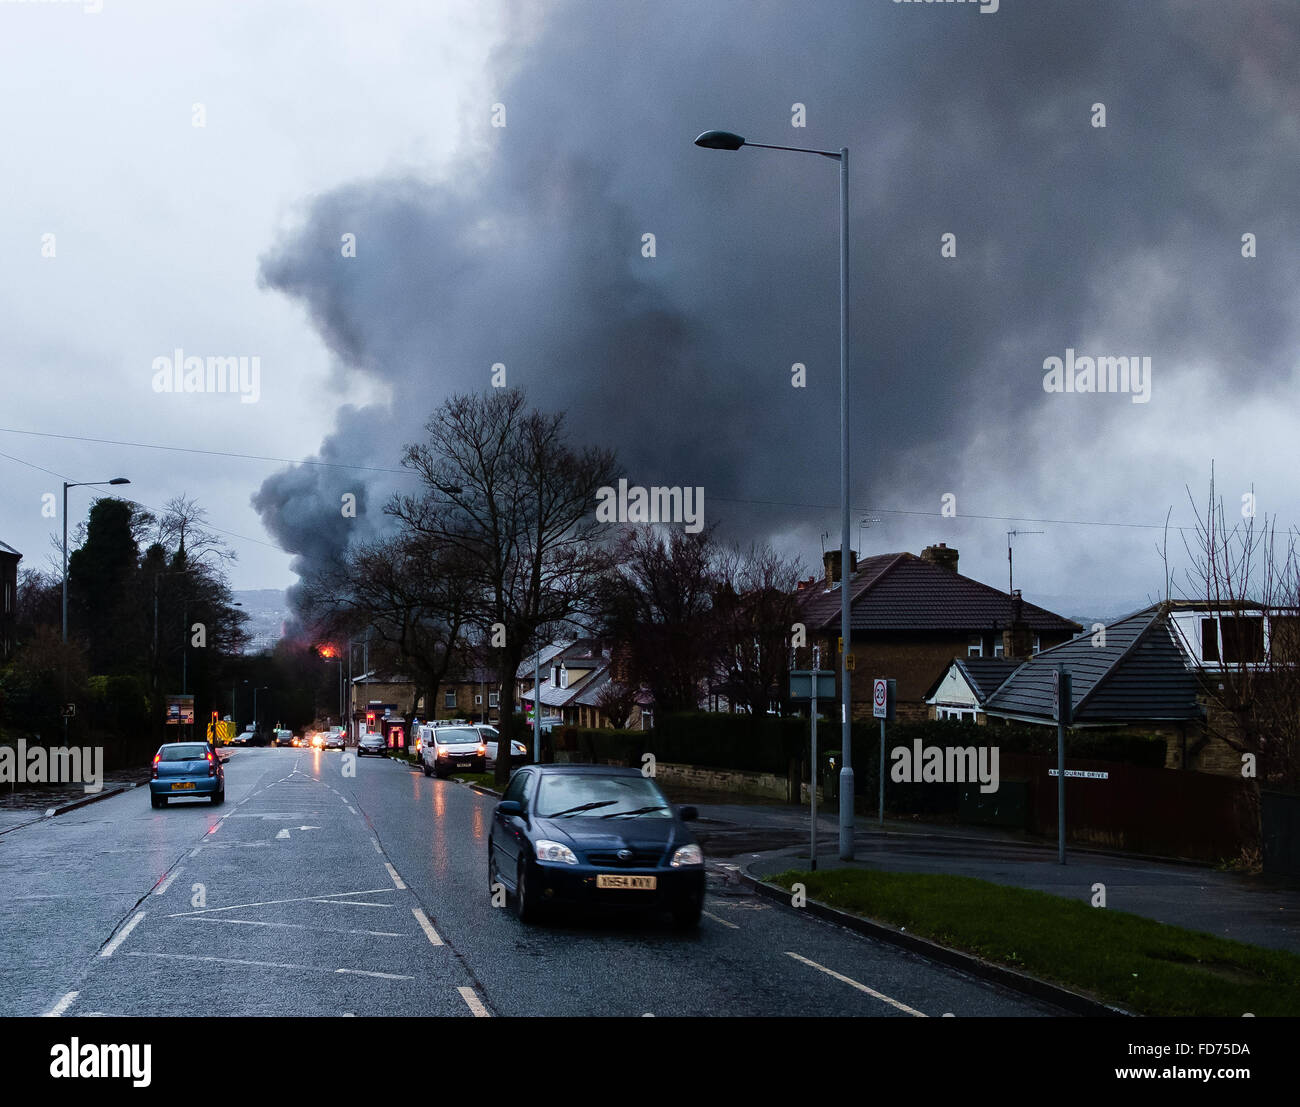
846, 814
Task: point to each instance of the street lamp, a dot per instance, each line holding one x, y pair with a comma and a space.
725, 140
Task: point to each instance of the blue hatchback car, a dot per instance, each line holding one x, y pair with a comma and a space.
594, 836
186, 769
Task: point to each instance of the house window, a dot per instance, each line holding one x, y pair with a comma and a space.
494, 699
478, 700
1209, 639
976, 648
449, 699
999, 647
1038, 643
1243, 638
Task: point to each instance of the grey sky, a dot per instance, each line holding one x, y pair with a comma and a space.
522, 245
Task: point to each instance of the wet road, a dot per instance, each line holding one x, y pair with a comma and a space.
331, 886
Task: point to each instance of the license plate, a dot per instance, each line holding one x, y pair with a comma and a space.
183, 786
464, 764
618, 880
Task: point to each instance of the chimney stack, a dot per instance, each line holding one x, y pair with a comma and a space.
831, 560
941, 555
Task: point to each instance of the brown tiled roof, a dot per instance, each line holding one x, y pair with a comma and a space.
901, 592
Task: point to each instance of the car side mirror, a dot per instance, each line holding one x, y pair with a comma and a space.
510, 807
687, 813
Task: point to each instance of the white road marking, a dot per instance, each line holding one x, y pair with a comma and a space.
167, 883
268, 964
57, 1010
426, 926
711, 915
296, 926
351, 810
393, 873
378, 848
111, 948
329, 897
195, 851
473, 1003
283, 834
860, 987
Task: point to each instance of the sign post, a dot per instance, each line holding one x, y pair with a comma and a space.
1061, 703
808, 684
882, 707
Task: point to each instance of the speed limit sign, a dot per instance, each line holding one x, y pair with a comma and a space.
882, 699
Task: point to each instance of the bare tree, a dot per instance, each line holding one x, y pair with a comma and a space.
183, 525
1246, 574
504, 489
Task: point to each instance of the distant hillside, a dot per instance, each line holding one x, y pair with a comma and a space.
267, 610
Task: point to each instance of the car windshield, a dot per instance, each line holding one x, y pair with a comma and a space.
455, 735
565, 795
183, 752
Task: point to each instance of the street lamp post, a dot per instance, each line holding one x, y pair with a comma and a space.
725, 140
66, 485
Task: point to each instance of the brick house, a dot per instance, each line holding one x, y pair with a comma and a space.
909, 616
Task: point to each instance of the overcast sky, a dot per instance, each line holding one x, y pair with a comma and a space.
522, 244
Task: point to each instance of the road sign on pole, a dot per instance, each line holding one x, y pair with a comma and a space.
882, 708
1062, 700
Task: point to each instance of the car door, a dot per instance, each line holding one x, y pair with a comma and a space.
510, 837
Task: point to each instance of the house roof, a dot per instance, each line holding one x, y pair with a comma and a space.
5, 548
983, 675
529, 666
1141, 673
553, 696
902, 592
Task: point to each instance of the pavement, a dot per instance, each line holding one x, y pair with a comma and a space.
767, 839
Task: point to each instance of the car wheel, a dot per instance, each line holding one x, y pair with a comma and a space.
427, 771
156, 801
219, 798
687, 916
526, 908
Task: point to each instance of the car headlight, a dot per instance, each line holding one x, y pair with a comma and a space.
688, 855
555, 851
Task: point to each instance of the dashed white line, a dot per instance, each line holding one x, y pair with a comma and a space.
473, 1002
393, 873
351, 810
860, 987
57, 1010
378, 848
331, 897
112, 946
296, 926
426, 926
167, 883
711, 915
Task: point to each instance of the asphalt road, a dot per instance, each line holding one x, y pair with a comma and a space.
315, 892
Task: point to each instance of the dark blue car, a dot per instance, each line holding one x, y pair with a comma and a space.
595, 836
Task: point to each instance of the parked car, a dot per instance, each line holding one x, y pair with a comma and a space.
490, 734
372, 743
595, 836
445, 748
186, 769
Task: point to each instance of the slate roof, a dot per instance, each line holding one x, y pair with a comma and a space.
529, 665
5, 548
902, 592
1140, 674
983, 674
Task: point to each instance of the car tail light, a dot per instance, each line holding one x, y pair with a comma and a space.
156, 758
212, 765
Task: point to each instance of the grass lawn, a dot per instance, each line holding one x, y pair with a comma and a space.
484, 780
1131, 961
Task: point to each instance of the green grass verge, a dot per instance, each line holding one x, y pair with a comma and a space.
484, 780
1134, 962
